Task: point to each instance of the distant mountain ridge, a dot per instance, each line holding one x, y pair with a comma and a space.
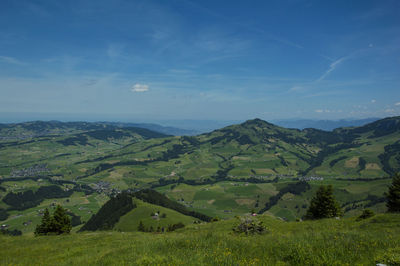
252, 148
42, 128
327, 125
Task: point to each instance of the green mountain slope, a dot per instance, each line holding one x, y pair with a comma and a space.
208, 173
151, 215
257, 149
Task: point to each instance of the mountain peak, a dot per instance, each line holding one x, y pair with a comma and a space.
257, 122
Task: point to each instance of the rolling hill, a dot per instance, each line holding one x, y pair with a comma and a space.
250, 166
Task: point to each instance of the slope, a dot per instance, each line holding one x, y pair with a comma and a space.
152, 216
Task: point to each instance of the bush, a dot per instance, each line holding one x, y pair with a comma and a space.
367, 213
250, 226
14, 232
215, 219
141, 227
389, 257
173, 227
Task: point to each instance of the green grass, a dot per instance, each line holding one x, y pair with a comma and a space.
130, 221
324, 242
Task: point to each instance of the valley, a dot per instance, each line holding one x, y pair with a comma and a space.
250, 167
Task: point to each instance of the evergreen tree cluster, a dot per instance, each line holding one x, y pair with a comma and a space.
109, 214
393, 195
28, 199
3, 215
154, 197
57, 224
170, 228
323, 204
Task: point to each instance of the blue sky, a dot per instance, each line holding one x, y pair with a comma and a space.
185, 59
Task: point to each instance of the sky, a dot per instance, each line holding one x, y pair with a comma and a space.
185, 59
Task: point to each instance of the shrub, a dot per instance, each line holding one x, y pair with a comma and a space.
14, 232
389, 257
173, 227
215, 219
367, 213
250, 226
141, 227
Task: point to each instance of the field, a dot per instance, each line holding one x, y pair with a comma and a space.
323, 242
253, 166
228, 199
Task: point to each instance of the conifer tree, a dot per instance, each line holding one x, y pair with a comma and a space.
393, 195
323, 204
61, 222
58, 224
41, 229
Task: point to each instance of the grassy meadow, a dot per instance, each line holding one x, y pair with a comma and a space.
324, 242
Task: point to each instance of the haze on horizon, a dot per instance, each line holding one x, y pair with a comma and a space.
185, 59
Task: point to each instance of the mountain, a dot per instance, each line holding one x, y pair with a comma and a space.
34, 129
158, 128
326, 125
227, 172
253, 149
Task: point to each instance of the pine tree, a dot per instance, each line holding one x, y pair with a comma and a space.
42, 228
58, 224
61, 222
393, 195
323, 204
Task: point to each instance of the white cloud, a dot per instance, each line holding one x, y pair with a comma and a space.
319, 111
11, 60
373, 101
296, 88
397, 104
140, 87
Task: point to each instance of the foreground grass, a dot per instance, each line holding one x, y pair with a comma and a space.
325, 242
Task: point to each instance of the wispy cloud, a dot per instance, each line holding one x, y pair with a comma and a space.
11, 60
140, 88
114, 50
266, 34
373, 101
332, 67
397, 104
296, 88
